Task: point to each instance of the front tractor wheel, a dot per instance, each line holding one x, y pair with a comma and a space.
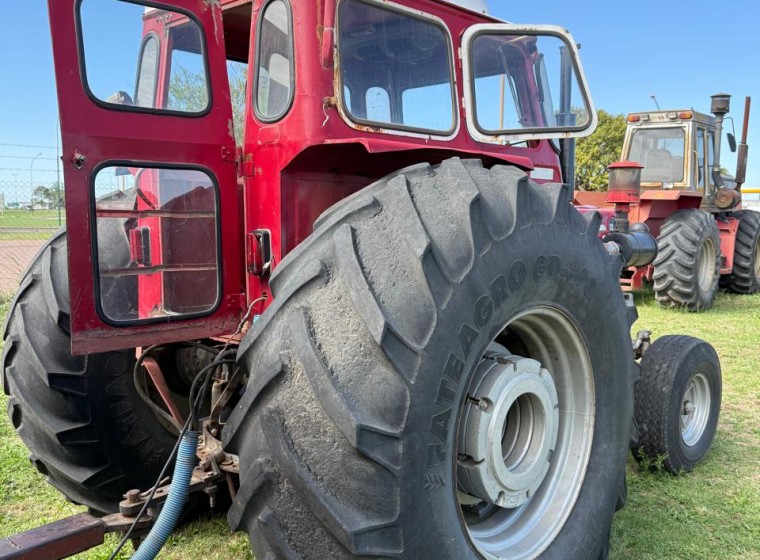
677, 402
687, 267
445, 373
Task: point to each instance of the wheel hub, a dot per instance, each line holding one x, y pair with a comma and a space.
509, 431
695, 414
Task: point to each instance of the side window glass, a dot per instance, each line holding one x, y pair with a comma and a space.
237, 72
701, 158
397, 65
123, 69
378, 105
710, 157
147, 73
274, 88
156, 238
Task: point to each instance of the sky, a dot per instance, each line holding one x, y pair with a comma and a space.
681, 52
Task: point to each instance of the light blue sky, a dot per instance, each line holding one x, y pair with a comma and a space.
681, 51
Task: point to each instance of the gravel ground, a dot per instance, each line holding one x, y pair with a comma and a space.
14, 258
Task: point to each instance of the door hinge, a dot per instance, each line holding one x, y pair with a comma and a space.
244, 163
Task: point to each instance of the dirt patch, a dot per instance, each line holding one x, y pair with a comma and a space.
15, 256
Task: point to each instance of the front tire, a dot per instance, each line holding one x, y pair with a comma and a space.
353, 430
677, 402
687, 267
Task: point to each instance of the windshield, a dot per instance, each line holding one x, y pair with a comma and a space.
395, 69
661, 152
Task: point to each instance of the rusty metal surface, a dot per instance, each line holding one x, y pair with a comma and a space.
117, 523
59, 539
154, 370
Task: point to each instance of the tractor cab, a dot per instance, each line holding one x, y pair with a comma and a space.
676, 148
228, 127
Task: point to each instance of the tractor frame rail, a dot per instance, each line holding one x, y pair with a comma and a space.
66, 537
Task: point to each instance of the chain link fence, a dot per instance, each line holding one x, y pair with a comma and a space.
29, 215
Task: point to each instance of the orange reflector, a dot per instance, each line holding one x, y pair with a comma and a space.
685, 115
634, 118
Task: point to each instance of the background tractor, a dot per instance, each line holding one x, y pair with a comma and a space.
704, 237
359, 301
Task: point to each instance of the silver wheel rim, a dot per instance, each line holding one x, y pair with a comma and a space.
558, 367
757, 259
706, 266
695, 409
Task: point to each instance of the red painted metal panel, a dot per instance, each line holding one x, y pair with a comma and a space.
286, 186
93, 134
727, 228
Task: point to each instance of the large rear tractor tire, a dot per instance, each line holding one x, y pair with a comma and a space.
745, 277
677, 403
87, 428
445, 373
687, 267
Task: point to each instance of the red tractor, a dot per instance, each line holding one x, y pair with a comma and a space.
704, 237
374, 315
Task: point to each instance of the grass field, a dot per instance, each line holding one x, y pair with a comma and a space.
711, 513
26, 225
41, 219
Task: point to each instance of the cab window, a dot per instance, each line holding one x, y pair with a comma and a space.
396, 67
661, 152
710, 157
121, 45
274, 82
147, 73
700, 158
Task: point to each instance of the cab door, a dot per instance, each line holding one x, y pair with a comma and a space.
152, 206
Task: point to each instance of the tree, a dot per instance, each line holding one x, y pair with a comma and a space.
42, 194
594, 153
187, 92
52, 196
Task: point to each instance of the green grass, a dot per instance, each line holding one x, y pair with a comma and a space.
26, 219
713, 512
22, 225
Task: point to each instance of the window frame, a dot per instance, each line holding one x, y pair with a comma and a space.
257, 64
700, 133
134, 108
628, 148
391, 128
96, 254
516, 136
710, 161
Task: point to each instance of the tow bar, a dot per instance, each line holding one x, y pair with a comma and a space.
66, 537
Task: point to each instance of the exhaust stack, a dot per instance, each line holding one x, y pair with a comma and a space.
721, 105
741, 156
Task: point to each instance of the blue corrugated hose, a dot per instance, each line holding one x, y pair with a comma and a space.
175, 501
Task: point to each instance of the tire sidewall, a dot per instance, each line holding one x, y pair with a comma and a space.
583, 286
137, 441
706, 298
